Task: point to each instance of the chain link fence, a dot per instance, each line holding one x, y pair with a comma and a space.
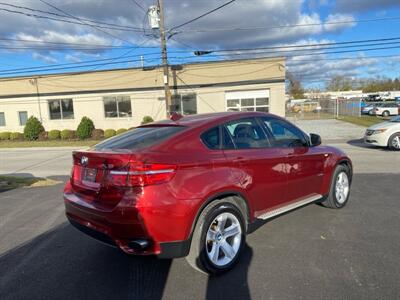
323, 108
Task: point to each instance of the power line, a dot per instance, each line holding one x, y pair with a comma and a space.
73, 67
57, 48
205, 102
201, 16
288, 26
60, 43
111, 61
69, 64
308, 52
65, 16
138, 5
305, 54
61, 20
93, 26
305, 45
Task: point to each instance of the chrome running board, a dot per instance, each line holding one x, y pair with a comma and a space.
289, 207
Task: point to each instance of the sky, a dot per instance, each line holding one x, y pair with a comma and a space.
51, 36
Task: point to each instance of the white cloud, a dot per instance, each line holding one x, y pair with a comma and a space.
336, 25
45, 58
268, 14
365, 5
316, 68
60, 37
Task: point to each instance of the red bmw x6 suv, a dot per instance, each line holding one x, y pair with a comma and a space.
195, 186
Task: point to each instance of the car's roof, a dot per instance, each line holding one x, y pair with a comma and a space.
203, 119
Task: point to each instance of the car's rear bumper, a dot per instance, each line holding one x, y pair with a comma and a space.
161, 227
118, 227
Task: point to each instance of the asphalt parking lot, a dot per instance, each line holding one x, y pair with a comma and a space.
310, 253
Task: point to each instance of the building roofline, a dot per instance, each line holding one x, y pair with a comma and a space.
137, 68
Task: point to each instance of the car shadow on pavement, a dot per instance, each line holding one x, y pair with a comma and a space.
234, 284
65, 264
360, 143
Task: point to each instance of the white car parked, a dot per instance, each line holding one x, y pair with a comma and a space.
386, 134
385, 109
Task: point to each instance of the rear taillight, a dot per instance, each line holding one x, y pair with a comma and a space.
139, 174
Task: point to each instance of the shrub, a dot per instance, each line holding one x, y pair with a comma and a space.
32, 129
147, 119
16, 136
54, 134
109, 133
121, 130
98, 134
5, 135
85, 128
43, 136
67, 134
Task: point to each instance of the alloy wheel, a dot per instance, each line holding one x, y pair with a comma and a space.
396, 142
342, 187
223, 239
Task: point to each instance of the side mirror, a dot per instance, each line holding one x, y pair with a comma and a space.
315, 139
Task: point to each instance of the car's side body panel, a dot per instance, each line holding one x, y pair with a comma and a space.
165, 214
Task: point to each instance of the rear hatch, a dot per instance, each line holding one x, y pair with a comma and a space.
90, 176
103, 174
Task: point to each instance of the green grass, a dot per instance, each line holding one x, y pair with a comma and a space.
365, 121
56, 143
10, 182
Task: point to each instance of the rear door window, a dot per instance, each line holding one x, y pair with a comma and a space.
139, 138
247, 134
211, 138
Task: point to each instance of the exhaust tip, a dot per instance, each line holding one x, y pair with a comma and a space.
139, 244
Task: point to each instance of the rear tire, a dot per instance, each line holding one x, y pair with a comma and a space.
385, 114
217, 244
340, 188
394, 142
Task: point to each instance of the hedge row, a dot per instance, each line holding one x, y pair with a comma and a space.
34, 130
66, 134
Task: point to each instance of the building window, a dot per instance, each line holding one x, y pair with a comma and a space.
61, 109
2, 119
117, 106
23, 117
248, 101
185, 104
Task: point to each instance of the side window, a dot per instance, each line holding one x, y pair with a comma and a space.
2, 119
246, 134
284, 134
23, 117
211, 138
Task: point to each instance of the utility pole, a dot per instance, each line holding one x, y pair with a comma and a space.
35, 82
164, 58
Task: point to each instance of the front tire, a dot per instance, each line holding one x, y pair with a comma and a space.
340, 188
394, 142
218, 238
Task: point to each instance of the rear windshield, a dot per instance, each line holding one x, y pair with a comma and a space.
139, 138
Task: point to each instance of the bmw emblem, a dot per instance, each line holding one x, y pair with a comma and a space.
84, 160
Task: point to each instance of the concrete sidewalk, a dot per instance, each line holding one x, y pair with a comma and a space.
38, 162
331, 129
